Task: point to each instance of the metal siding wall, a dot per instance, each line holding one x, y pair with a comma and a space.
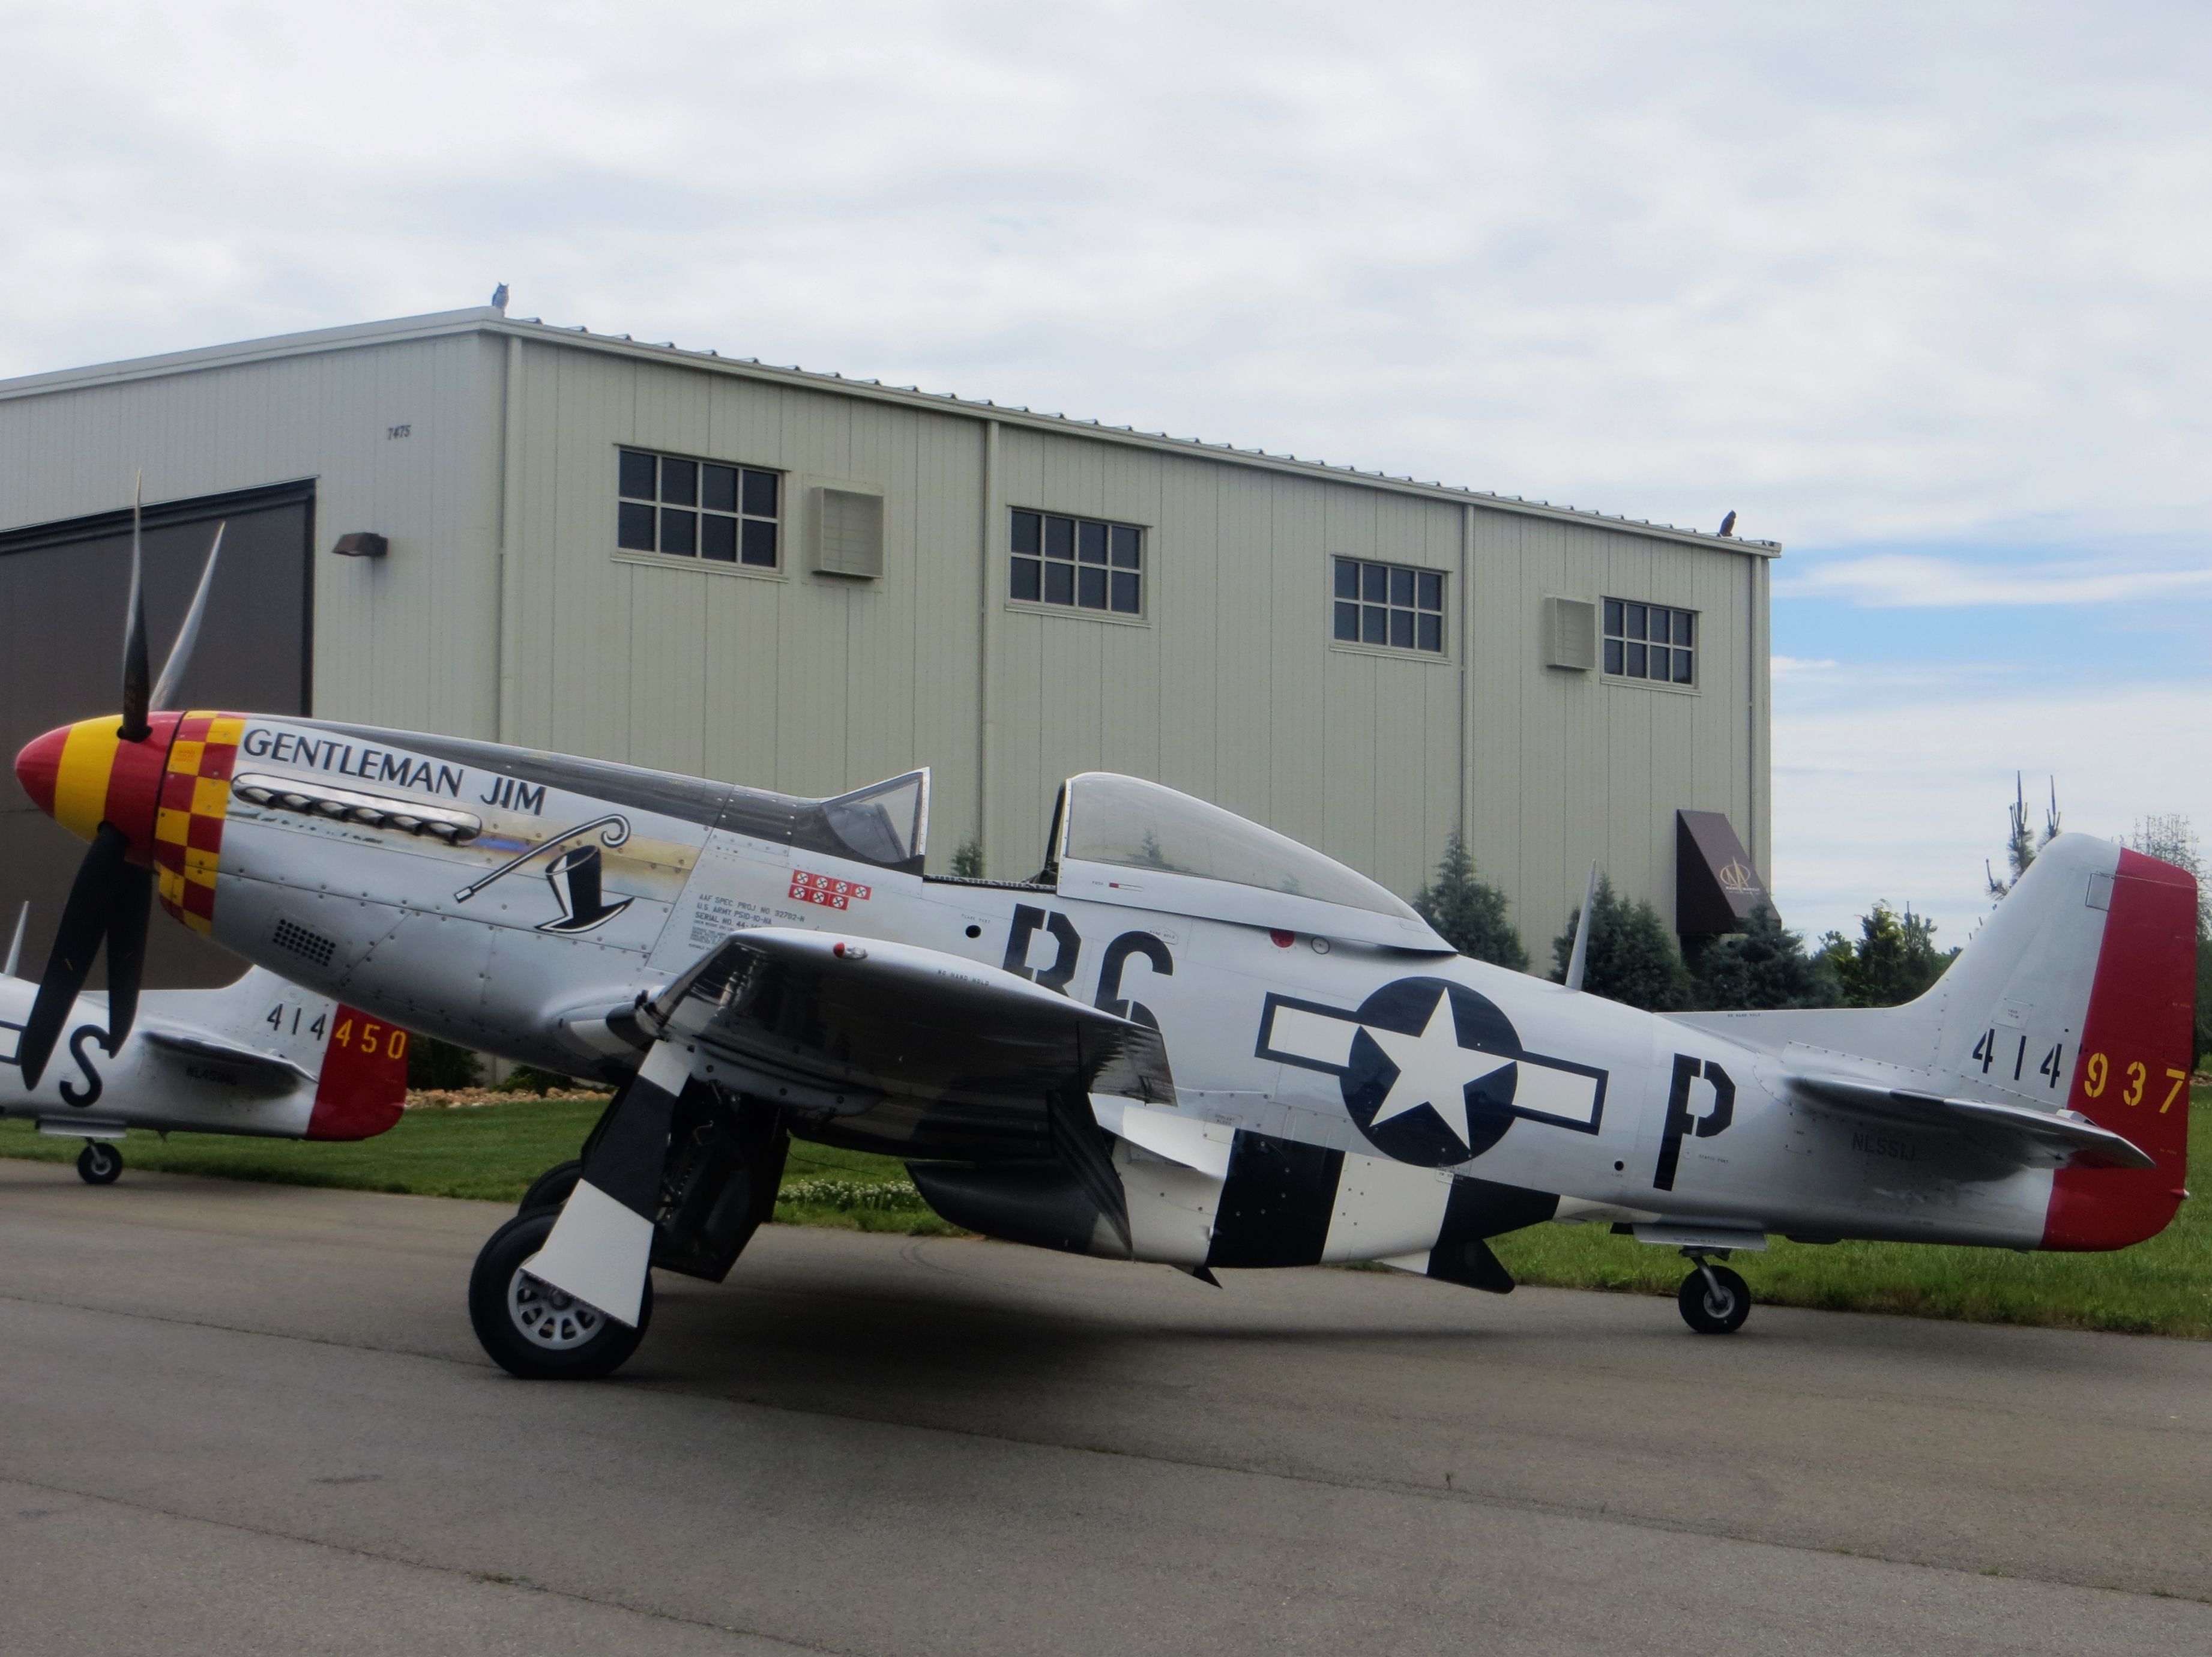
400, 641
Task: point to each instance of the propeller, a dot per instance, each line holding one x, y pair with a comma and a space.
112, 895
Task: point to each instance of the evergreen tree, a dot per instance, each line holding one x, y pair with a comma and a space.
1893, 961
1469, 914
442, 1064
1632, 956
2021, 846
1765, 965
968, 861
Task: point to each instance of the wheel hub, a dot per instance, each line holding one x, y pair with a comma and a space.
549, 1318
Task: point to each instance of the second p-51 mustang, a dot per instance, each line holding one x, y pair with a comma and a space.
1189, 1040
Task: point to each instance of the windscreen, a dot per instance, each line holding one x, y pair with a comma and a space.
883, 824
1132, 824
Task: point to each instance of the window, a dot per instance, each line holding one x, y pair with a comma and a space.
698, 509
1650, 641
1388, 604
1078, 562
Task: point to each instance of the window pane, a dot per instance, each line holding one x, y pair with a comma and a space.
1029, 529
1091, 542
1091, 588
1059, 537
679, 532
1683, 621
636, 476
633, 526
718, 538
1612, 617
1432, 590
1681, 667
1402, 587
718, 488
1374, 583
1658, 625
760, 495
1347, 578
1635, 627
679, 482
1374, 625
1125, 547
757, 545
1613, 656
1347, 622
1059, 583
1431, 635
1125, 592
1401, 629
1635, 661
1028, 579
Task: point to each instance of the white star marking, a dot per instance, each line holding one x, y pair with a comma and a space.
1433, 1069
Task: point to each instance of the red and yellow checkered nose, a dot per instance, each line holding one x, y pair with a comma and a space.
188, 832
83, 774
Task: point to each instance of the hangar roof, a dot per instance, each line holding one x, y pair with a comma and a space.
491, 320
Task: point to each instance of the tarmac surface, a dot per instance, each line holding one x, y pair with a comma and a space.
248, 1418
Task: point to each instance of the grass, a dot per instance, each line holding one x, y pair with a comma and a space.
493, 1152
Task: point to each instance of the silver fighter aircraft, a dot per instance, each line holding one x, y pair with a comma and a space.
1189, 1040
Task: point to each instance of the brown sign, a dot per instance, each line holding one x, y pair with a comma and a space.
1717, 888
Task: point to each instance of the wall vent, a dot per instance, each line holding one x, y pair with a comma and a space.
848, 532
308, 946
1569, 633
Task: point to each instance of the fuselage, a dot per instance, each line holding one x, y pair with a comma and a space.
518, 902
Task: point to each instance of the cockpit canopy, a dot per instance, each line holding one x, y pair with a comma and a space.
1125, 840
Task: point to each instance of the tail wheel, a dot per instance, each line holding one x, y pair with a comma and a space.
551, 1188
99, 1163
531, 1329
1714, 1301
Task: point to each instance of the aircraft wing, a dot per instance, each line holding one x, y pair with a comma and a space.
820, 1023
2062, 1139
266, 1069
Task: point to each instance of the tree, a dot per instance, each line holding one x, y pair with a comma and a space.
968, 860
1468, 913
2021, 846
1765, 965
1893, 961
1632, 956
442, 1064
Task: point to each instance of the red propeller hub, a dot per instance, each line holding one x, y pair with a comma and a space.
83, 774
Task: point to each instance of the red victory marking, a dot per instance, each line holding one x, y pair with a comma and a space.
828, 891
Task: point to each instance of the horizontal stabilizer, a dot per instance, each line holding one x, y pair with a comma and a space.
2062, 1139
177, 1044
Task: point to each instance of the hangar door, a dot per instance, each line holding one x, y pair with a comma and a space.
64, 589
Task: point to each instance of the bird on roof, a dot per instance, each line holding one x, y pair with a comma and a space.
499, 303
1728, 524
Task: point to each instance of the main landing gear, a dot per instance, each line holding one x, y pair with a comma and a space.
1714, 1299
99, 1163
534, 1331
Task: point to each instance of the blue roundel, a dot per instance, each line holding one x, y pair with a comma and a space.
1421, 1135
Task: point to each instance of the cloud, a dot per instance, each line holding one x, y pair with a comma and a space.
1902, 581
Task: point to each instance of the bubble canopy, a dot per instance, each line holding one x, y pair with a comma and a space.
1126, 840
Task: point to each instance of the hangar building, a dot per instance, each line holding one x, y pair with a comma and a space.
490, 526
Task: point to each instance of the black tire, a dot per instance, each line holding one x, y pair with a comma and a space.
99, 1163
1714, 1312
551, 1188
536, 1332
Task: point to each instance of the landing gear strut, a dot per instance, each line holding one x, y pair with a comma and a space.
99, 1163
1714, 1299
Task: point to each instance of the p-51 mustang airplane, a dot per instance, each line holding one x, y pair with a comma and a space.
259, 1057
1190, 1040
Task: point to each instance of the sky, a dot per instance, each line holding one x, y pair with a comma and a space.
1920, 292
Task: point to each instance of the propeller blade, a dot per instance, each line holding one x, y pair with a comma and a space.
171, 683
137, 678
15, 947
126, 950
85, 920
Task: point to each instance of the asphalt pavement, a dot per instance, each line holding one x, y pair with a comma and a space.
243, 1418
